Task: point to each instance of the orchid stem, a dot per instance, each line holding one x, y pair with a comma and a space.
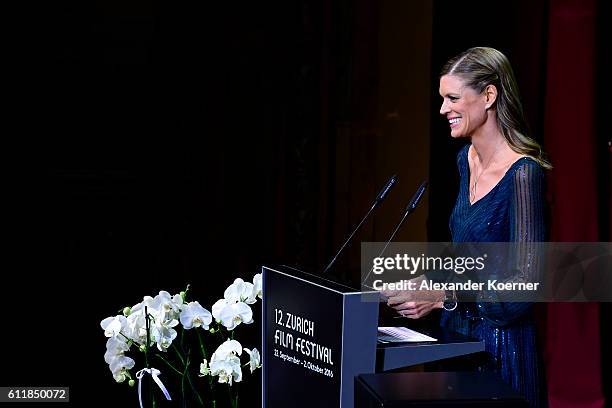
201, 345
147, 325
183, 391
178, 353
205, 357
169, 364
185, 373
233, 401
193, 388
182, 336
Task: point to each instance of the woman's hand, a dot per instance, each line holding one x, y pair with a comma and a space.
414, 305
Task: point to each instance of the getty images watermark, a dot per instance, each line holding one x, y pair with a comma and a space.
492, 272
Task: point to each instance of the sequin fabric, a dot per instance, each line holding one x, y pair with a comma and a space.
513, 211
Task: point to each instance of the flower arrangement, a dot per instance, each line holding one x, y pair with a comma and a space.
165, 329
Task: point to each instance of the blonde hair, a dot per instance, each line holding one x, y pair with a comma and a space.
480, 67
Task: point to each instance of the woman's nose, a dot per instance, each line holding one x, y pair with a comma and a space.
444, 109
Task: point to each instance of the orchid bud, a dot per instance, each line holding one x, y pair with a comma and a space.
131, 383
127, 311
183, 294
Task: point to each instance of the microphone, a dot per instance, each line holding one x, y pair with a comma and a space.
412, 204
379, 199
383, 193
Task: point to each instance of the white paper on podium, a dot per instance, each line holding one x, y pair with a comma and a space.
401, 335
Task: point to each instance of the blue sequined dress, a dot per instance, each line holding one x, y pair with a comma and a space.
513, 211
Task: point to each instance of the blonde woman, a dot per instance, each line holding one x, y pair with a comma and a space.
500, 199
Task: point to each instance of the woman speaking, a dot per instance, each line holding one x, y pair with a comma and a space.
500, 199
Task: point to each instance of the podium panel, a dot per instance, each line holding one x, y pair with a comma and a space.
317, 336
462, 389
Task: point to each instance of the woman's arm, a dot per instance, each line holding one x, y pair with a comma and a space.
527, 228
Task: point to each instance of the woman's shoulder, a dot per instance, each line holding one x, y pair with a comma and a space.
525, 174
524, 166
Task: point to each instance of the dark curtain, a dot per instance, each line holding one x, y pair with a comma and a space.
573, 359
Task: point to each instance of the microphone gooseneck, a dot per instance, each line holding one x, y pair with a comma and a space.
379, 199
412, 204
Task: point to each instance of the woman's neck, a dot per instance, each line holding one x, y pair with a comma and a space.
487, 140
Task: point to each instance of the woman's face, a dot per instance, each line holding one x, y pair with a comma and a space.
464, 108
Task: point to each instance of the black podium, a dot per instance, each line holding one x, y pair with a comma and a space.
462, 389
318, 335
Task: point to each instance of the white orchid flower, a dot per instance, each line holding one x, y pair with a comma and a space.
163, 313
234, 308
137, 323
121, 362
225, 349
163, 333
239, 291
117, 362
257, 288
161, 305
119, 366
147, 301
204, 370
218, 307
169, 305
227, 370
194, 315
137, 326
231, 315
120, 376
112, 326
109, 356
225, 362
118, 344
254, 359
115, 346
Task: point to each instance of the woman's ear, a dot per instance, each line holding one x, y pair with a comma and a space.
490, 93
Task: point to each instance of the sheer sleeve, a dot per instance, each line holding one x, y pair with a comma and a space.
527, 228
527, 207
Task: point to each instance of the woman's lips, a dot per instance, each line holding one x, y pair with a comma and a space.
454, 122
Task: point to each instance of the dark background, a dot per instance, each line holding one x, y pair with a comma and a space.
152, 144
